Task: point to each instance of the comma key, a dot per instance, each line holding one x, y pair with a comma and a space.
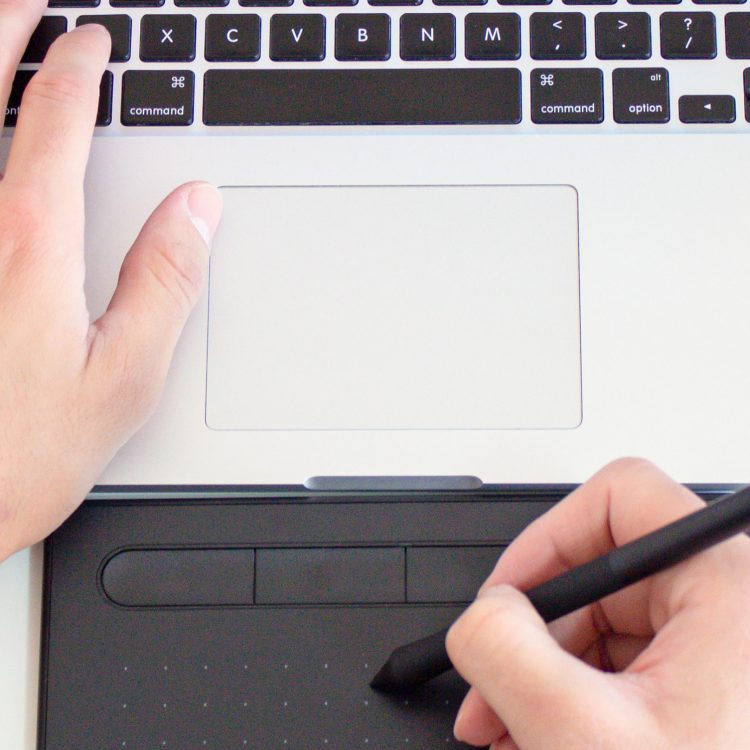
157, 97
640, 95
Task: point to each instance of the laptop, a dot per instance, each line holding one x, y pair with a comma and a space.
466, 244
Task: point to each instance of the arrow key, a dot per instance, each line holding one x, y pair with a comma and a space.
707, 109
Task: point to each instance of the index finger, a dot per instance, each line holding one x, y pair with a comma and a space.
623, 501
56, 120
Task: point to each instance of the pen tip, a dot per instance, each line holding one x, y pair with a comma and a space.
383, 680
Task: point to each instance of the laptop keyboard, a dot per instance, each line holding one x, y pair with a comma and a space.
521, 65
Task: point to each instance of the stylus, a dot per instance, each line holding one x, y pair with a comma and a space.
417, 662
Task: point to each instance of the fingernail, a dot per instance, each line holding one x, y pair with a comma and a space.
205, 206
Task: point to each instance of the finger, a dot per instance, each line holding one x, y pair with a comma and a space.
625, 500
56, 120
476, 723
18, 19
544, 696
160, 281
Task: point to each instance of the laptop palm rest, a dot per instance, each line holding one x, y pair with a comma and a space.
417, 307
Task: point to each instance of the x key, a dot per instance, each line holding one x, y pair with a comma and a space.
168, 38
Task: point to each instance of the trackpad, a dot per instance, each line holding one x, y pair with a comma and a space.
395, 308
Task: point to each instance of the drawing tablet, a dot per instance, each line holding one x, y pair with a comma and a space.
258, 621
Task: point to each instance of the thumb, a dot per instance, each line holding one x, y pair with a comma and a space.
160, 281
543, 695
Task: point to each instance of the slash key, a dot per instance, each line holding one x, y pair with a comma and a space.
157, 97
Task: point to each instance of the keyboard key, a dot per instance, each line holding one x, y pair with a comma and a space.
623, 36
49, 28
201, 3
136, 3
168, 38
320, 3
589, 2
363, 36
558, 36
157, 97
640, 95
428, 36
459, 2
688, 35
13, 107
719, 2
524, 2
567, 96
395, 2
746, 88
265, 3
104, 112
21, 81
492, 36
707, 109
298, 37
120, 29
233, 38
654, 2
737, 27
73, 3
363, 97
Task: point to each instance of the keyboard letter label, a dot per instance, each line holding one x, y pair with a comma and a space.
166, 36
297, 34
362, 36
232, 37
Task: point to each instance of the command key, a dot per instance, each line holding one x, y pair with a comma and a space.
158, 97
566, 96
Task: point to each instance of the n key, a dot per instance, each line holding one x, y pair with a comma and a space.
298, 37
428, 36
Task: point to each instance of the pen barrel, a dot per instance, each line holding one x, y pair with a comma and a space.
642, 557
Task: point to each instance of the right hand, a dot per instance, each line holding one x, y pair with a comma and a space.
663, 664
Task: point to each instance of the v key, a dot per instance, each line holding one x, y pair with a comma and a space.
298, 37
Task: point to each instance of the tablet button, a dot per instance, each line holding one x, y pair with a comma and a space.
330, 576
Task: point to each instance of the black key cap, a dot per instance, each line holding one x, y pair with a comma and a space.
623, 36
321, 3
298, 37
201, 3
120, 29
654, 2
707, 109
104, 112
363, 36
395, 2
73, 3
492, 36
719, 2
688, 35
737, 27
363, 97
166, 38
640, 95
589, 2
428, 36
49, 28
233, 38
157, 97
265, 3
136, 3
13, 107
21, 81
558, 36
567, 95
459, 2
746, 87
524, 2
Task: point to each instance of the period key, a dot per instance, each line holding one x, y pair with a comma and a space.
567, 96
157, 97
